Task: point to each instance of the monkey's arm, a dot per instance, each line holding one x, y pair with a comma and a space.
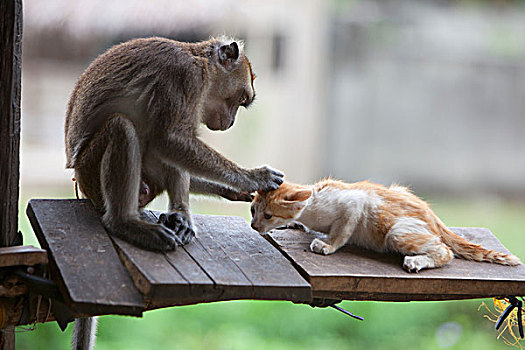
202, 186
201, 160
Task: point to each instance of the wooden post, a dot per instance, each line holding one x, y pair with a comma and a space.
10, 86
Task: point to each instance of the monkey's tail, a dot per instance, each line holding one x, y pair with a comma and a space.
470, 251
84, 334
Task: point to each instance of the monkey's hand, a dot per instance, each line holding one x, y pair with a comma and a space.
180, 224
263, 179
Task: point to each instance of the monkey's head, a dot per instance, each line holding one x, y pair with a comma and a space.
231, 85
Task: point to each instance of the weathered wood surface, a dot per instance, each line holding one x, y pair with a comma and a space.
84, 262
10, 87
358, 274
227, 261
22, 255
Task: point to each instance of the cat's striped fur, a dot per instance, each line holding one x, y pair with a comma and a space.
384, 219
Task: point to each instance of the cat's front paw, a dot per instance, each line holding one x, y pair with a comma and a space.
294, 225
297, 226
320, 247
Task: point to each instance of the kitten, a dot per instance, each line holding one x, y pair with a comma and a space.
372, 216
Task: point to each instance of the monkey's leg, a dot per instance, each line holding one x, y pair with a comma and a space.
178, 217
84, 333
115, 151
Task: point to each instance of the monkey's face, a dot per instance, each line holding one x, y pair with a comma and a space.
231, 88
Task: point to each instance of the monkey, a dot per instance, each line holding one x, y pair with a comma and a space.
131, 132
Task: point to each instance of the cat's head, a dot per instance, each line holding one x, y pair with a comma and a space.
280, 207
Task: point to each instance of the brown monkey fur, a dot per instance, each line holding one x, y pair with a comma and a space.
132, 124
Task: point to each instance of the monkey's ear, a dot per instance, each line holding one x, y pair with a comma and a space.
228, 54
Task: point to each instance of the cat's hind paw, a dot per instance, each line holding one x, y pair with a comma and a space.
320, 247
417, 263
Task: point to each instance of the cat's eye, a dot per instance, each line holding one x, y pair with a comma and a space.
267, 216
252, 210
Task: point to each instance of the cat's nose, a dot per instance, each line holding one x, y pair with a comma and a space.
255, 227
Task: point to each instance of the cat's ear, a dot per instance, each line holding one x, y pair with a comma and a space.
297, 196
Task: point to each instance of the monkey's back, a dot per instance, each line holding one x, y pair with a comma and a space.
141, 79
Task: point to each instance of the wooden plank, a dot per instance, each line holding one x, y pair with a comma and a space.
358, 274
84, 263
165, 277
10, 87
271, 275
22, 255
227, 260
230, 281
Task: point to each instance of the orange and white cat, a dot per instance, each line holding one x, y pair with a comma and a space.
383, 219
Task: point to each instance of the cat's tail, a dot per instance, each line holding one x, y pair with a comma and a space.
470, 251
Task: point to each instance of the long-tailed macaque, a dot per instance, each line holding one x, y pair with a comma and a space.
131, 133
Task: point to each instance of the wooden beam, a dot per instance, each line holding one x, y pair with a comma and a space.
10, 87
22, 255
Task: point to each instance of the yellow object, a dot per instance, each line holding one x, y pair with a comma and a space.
508, 331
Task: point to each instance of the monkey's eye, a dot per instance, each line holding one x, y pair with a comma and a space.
267, 216
243, 100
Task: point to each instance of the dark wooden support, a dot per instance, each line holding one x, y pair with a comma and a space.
10, 87
359, 274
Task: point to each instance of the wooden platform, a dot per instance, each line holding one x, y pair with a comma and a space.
228, 260
357, 274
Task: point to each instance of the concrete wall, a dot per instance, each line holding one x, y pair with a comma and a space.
429, 95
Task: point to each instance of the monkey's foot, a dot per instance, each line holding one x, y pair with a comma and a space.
145, 235
180, 224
